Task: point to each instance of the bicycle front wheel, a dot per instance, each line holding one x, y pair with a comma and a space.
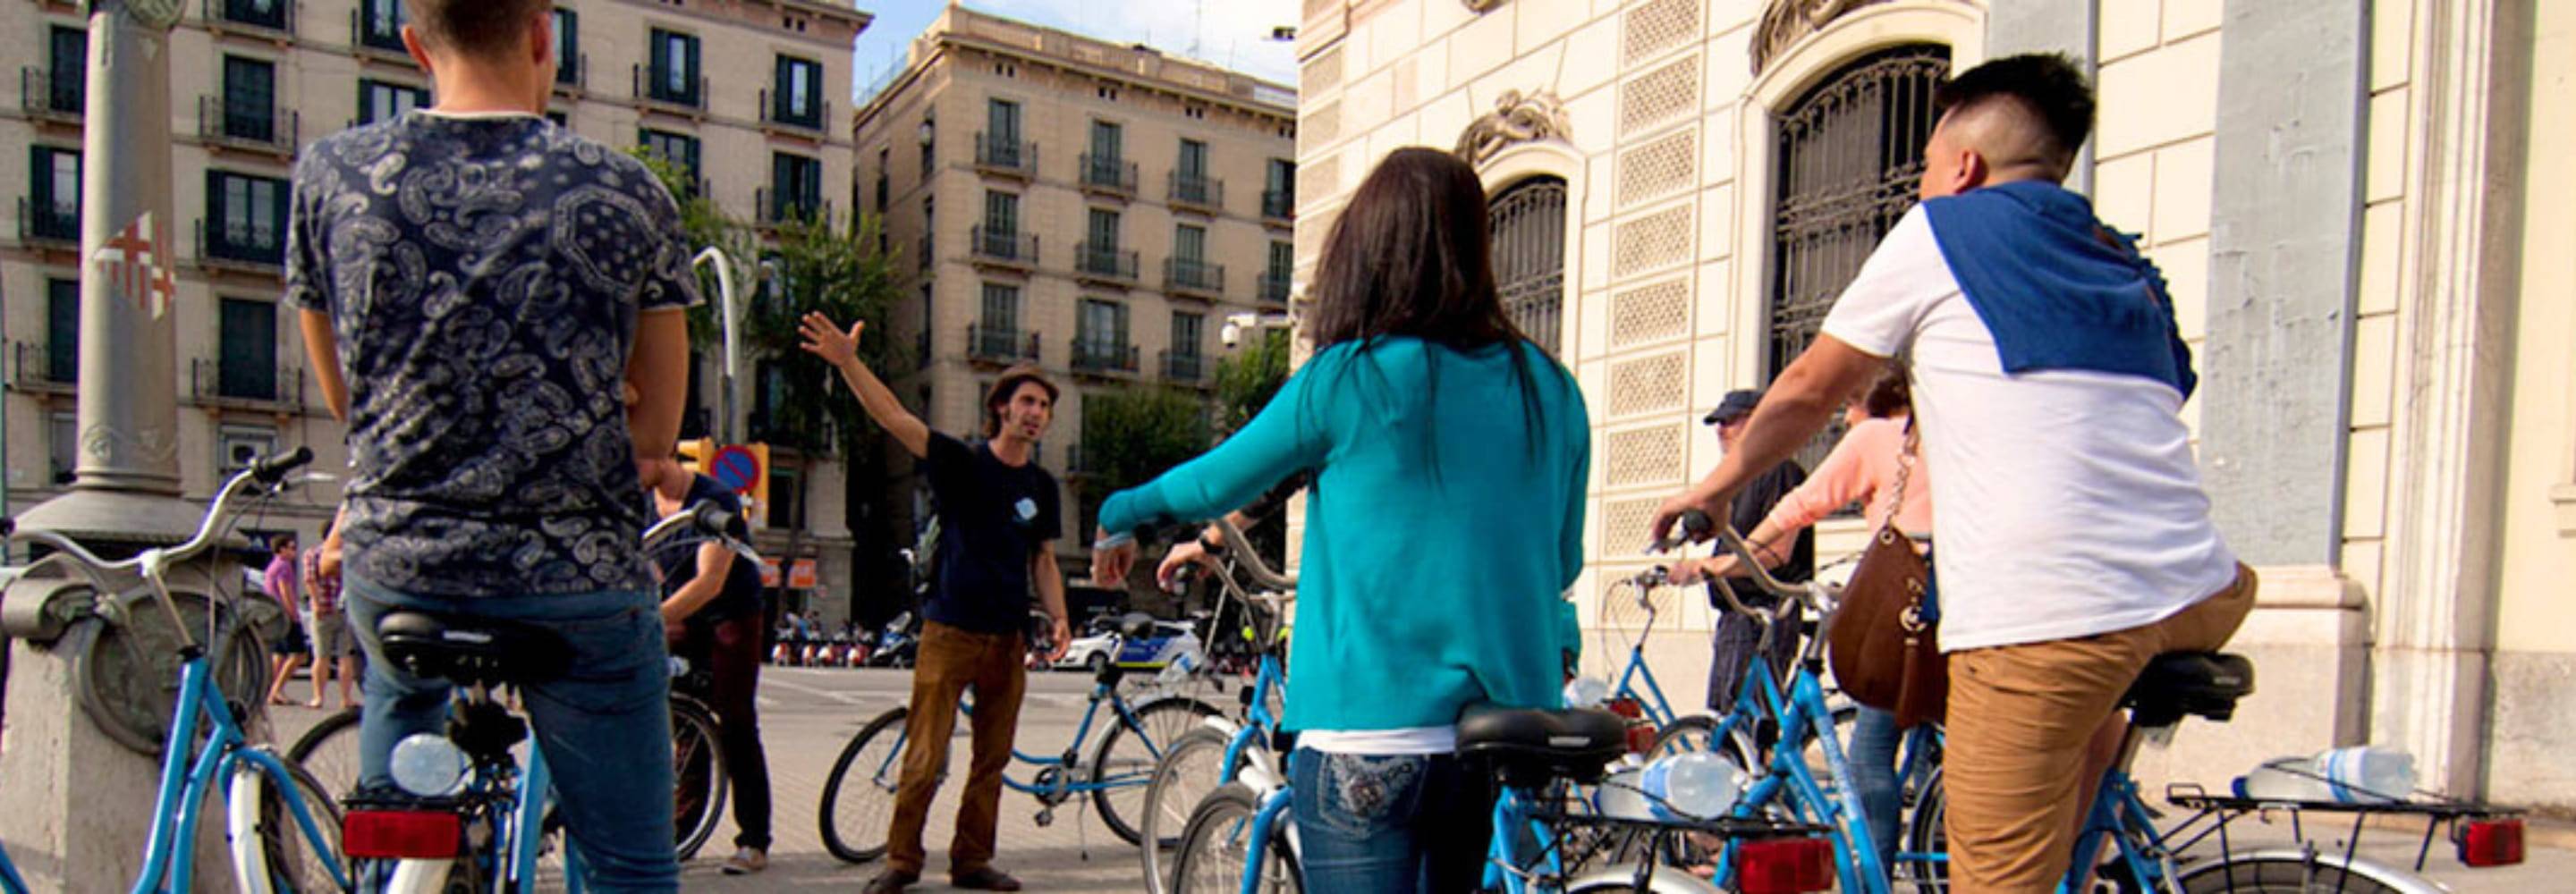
269, 845
329, 751
2282, 875
1186, 774
1124, 763
858, 798
1218, 842
697, 763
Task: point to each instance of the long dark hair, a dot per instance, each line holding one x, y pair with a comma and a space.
1411, 256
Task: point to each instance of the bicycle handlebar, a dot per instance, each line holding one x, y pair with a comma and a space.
1696, 525
707, 519
1249, 559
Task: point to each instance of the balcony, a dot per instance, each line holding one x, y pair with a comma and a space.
37, 369
777, 112
1104, 264
1278, 205
1000, 346
48, 98
1003, 248
1009, 158
378, 38
41, 223
1185, 369
1108, 175
252, 126
1100, 355
1199, 193
240, 247
1274, 287
213, 382
1193, 277
775, 207
924, 258
664, 92
572, 75
265, 15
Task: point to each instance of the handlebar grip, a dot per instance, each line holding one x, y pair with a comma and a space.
710, 518
1696, 524
273, 469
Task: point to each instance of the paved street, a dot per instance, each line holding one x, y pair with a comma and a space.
808, 714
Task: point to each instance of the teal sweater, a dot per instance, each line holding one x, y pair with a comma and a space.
1425, 586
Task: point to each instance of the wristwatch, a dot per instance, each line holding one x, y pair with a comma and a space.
1213, 548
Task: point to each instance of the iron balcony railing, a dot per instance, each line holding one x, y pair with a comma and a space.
1100, 354
1003, 246
776, 109
1185, 368
997, 155
1106, 262
1197, 190
212, 380
248, 125
1108, 174
376, 34
1193, 276
1001, 345
41, 369
240, 245
1274, 287
654, 85
1278, 204
44, 96
778, 207
45, 222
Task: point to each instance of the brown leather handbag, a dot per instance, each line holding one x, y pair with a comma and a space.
1885, 644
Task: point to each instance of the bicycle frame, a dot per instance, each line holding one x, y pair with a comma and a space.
1505, 869
1081, 735
1803, 716
1260, 727
1658, 708
1273, 806
187, 775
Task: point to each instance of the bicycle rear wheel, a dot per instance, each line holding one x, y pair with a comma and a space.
1186, 774
1217, 843
270, 850
1125, 760
329, 751
858, 798
697, 764
2282, 875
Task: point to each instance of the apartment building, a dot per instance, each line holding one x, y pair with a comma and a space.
753, 82
1097, 209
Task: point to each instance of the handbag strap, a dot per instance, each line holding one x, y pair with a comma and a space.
1904, 473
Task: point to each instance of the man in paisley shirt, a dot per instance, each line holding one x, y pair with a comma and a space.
478, 288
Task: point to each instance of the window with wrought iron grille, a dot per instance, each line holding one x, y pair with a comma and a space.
1850, 157
1528, 222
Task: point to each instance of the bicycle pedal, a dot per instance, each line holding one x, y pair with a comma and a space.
1045, 818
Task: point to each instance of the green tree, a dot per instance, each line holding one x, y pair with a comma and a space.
1130, 435
815, 263
1245, 382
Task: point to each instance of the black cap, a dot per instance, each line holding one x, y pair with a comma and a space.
1735, 405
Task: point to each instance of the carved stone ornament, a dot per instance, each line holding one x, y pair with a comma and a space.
1482, 6
158, 15
1785, 22
1516, 118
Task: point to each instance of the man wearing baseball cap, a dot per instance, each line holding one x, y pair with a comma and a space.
1738, 636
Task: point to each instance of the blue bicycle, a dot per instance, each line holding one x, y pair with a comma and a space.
1222, 751
858, 797
282, 827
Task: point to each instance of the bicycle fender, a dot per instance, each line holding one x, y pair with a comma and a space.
2400, 879
1618, 878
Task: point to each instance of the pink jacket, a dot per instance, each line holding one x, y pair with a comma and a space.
1862, 466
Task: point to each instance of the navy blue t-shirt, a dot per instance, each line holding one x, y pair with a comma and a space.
678, 558
484, 275
992, 517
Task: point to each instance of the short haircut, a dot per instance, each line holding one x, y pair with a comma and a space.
281, 543
484, 28
1007, 387
2048, 86
1893, 393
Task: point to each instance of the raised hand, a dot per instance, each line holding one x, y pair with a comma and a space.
823, 338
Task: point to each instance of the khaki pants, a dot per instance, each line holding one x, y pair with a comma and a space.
950, 661
2019, 720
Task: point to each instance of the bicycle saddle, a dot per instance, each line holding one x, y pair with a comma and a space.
1531, 748
470, 652
2196, 684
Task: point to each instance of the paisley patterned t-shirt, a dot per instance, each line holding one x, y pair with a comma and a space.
483, 275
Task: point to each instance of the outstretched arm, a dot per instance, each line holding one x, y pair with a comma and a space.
825, 339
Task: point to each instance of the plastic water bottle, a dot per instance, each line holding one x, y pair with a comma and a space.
1694, 785
2367, 774
1622, 795
1182, 666
428, 765
1586, 692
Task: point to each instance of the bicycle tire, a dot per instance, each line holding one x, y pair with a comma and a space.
1184, 776
267, 843
872, 800
698, 769
329, 751
1212, 852
1158, 724
1924, 835
2281, 875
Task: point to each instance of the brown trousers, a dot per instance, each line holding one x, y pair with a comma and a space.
950, 661
2019, 719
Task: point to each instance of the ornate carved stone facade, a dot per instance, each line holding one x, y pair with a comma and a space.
1516, 118
1784, 22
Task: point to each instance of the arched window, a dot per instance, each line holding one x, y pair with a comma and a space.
1850, 156
1528, 222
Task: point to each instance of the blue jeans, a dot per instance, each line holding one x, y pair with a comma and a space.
605, 726
1874, 743
1390, 825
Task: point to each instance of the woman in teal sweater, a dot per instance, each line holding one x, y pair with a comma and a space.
1443, 528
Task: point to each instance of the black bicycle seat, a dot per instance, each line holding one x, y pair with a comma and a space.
2193, 684
1531, 748
472, 651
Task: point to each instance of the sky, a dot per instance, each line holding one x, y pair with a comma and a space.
1230, 33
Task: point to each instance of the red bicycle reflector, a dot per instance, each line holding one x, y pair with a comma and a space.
401, 834
1784, 866
1627, 707
2489, 842
1641, 738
